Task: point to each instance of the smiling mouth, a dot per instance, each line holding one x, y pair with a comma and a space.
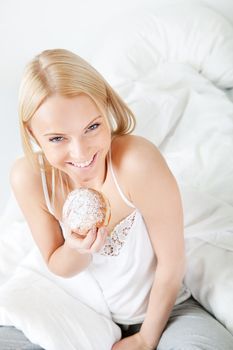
84, 164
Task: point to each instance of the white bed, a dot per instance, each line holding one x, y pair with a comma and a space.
174, 67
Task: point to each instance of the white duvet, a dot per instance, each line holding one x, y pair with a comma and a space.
173, 74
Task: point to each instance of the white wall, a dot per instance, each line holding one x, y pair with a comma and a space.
29, 26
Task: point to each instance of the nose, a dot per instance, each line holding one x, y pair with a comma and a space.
78, 150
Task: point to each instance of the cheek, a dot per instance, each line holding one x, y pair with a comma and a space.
107, 133
53, 154
104, 139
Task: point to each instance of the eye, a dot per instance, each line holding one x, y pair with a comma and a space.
94, 126
56, 139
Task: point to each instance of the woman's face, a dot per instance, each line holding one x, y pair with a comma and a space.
74, 136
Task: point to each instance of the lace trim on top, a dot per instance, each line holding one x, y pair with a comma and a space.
116, 240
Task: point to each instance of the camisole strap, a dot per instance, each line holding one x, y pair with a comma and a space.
44, 185
130, 204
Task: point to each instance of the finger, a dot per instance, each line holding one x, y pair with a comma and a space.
79, 234
82, 242
89, 239
100, 240
69, 237
73, 241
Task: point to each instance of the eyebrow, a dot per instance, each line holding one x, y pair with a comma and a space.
59, 133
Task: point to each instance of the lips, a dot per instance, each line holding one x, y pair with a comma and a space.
83, 165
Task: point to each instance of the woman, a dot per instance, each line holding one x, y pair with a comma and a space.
82, 128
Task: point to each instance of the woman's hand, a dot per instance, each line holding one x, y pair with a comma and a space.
90, 243
134, 342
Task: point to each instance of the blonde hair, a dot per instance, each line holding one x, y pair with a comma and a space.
62, 72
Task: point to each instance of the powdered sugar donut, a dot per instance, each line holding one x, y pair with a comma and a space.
85, 208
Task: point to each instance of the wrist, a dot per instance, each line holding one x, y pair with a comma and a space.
145, 344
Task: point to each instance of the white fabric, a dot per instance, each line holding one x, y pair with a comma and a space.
125, 281
51, 317
170, 66
182, 33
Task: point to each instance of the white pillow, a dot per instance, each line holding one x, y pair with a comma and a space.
210, 278
183, 32
141, 48
50, 317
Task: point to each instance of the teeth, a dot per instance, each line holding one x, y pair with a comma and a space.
82, 165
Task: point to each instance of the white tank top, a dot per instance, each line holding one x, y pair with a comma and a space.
125, 267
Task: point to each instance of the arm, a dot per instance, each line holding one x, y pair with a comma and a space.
61, 258
163, 214
160, 205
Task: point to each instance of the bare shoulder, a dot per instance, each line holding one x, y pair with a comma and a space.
23, 173
25, 180
137, 154
145, 170
26, 184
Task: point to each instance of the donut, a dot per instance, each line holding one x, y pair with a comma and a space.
85, 208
